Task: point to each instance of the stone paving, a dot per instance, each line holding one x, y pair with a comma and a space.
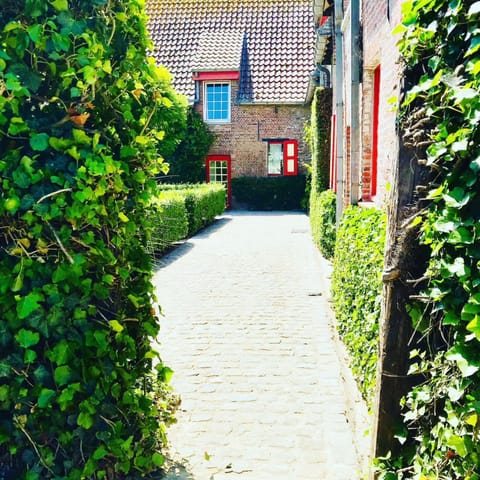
247, 328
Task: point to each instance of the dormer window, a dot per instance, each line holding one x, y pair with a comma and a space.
217, 102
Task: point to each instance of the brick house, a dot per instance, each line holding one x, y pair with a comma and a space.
365, 77
246, 66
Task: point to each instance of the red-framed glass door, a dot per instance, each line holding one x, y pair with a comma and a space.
219, 170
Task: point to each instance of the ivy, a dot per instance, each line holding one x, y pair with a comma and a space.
84, 120
357, 290
441, 44
323, 221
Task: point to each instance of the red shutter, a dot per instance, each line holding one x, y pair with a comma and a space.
290, 157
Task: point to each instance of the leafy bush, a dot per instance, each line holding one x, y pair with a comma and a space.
203, 204
323, 221
169, 220
187, 162
440, 46
83, 118
357, 289
269, 193
318, 138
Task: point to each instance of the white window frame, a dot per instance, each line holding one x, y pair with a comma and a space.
205, 102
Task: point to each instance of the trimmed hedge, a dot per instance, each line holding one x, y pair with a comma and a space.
170, 222
203, 203
269, 193
322, 222
182, 210
357, 290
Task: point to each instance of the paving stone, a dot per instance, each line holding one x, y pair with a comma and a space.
255, 358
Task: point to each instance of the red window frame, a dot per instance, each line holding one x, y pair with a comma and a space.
376, 111
289, 169
222, 158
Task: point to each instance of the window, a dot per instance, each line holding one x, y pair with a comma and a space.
282, 157
376, 109
217, 102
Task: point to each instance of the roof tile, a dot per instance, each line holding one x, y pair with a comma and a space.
271, 40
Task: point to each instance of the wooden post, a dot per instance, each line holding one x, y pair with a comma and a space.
405, 261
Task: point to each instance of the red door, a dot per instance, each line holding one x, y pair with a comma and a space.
219, 170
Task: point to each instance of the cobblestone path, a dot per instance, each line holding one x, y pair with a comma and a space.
247, 332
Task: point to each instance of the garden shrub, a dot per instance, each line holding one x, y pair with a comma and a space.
203, 204
187, 162
269, 193
318, 137
357, 290
169, 220
83, 118
323, 221
440, 45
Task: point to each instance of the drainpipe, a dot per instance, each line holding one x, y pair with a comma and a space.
355, 102
339, 105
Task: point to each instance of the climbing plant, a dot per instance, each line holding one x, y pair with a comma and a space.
83, 117
440, 45
357, 290
318, 139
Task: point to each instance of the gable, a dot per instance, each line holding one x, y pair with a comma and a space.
276, 38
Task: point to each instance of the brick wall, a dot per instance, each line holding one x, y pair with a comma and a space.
242, 139
379, 49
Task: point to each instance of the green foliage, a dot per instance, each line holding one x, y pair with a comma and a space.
169, 218
269, 193
203, 204
83, 118
357, 290
317, 136
441, 45
323, 221
187, 162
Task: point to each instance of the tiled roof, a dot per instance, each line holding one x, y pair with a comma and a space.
218, 51
278, 44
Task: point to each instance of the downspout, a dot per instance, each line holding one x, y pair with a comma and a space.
355, 102
339, 105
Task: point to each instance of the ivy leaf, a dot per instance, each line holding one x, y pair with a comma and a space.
60, 5
27, 338
45, 397
85, 420
39, 142
458, 444
62, 375
29, 304
158, 459
115, 326
100, 453
474, 8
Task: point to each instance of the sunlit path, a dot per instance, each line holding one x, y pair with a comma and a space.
246, 330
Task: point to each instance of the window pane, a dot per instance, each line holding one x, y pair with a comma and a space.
275, 158
217, 101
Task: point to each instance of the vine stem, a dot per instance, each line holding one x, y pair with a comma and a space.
60, 244
37, 451
52, 194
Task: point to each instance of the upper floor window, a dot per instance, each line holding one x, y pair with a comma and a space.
282, 157
217, 102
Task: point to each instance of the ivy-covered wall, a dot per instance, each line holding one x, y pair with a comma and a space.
357, 290
441, 49
320, 204
84, 117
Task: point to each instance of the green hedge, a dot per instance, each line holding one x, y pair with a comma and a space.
322, 221
182, 210
357, 289
204, 202
269, 193
84, 121
169, 220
